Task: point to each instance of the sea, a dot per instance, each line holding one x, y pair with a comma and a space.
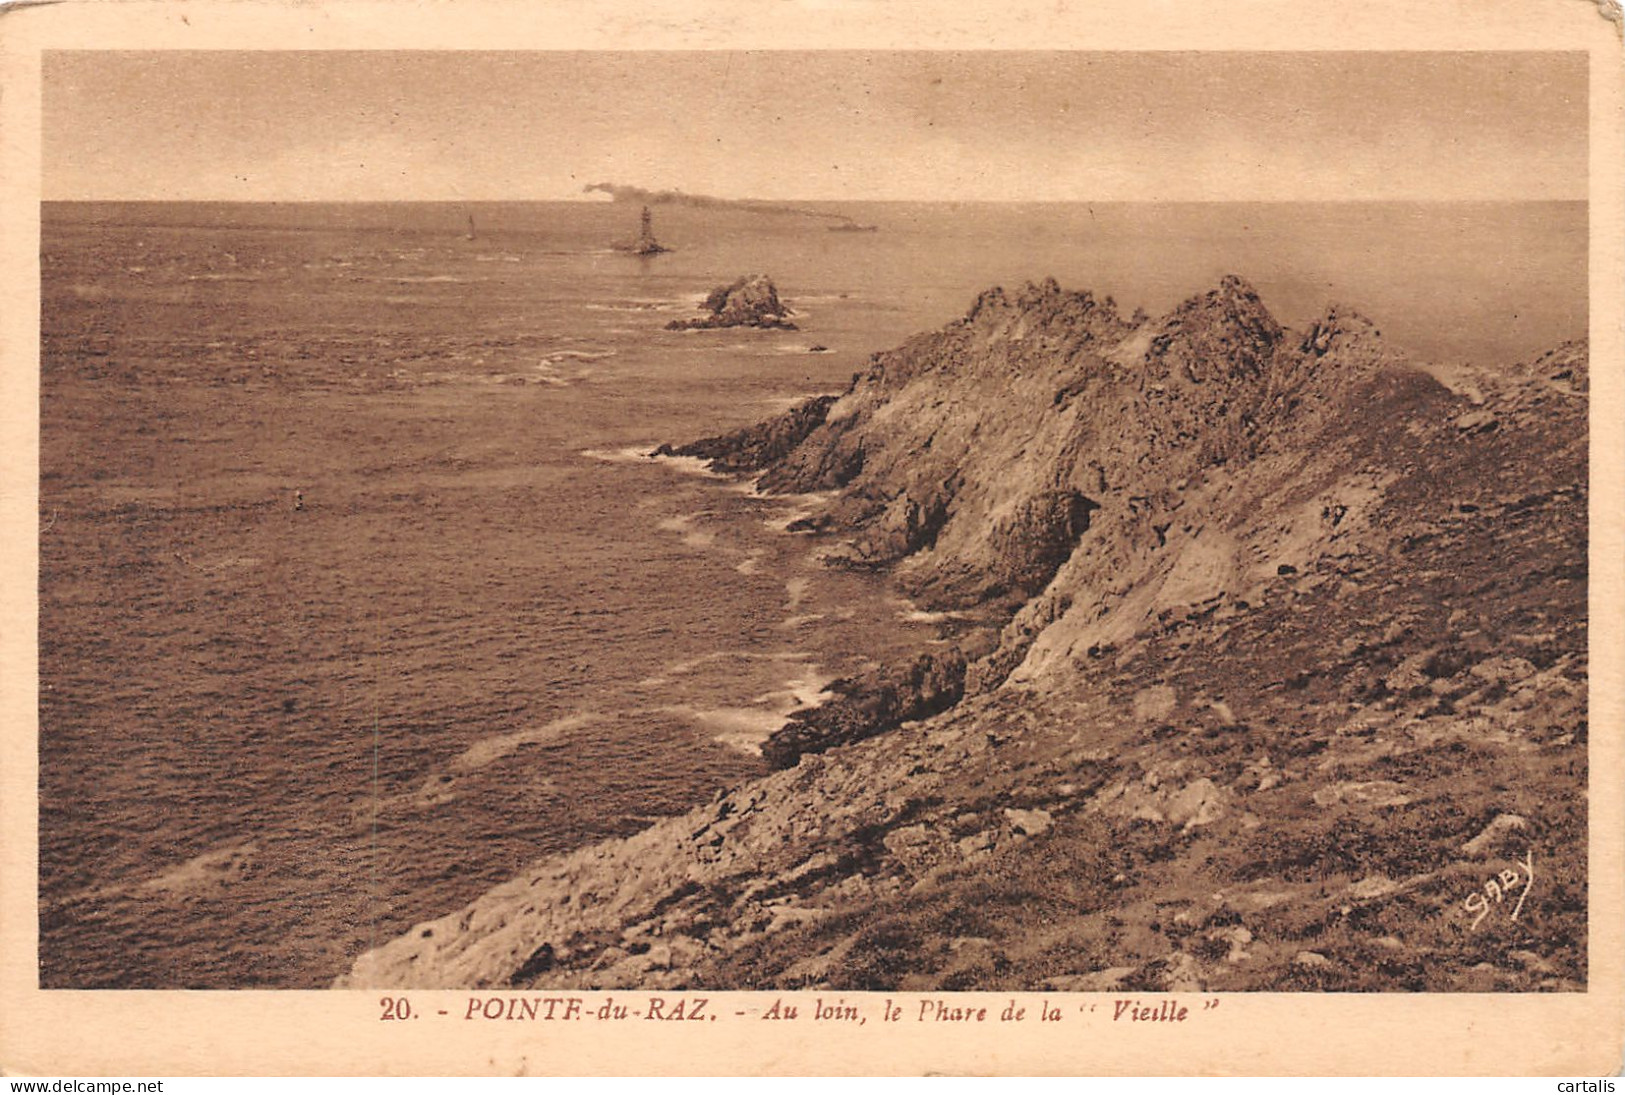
360, 590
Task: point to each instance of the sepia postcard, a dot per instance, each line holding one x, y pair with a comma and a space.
812, 538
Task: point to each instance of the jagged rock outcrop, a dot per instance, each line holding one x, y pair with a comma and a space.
755, 447
1044, 441
751, 301
863, 708
1272, 644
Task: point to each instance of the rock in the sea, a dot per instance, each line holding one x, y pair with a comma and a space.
751, 301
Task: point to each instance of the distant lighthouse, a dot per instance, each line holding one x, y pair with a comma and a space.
647, 244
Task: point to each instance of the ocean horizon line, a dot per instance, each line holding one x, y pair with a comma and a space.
749, 204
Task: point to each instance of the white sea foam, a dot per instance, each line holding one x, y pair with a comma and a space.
632, 454
643, 304
773, 407
802, 506
216, 868
690, 465
741, 728
684, 526
735, 655
489, 750
577, 355
746, 728
795, 591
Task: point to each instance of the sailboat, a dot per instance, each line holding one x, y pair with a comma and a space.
647, 244
471, 234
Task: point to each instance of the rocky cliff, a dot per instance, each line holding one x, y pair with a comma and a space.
1273, 656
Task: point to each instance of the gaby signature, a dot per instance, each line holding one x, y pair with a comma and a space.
1499, 887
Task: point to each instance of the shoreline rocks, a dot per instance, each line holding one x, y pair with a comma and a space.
755, 447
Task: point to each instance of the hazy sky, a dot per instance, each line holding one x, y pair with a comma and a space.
828, 125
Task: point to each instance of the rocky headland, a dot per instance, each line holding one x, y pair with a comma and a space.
751, 301
1268, 653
